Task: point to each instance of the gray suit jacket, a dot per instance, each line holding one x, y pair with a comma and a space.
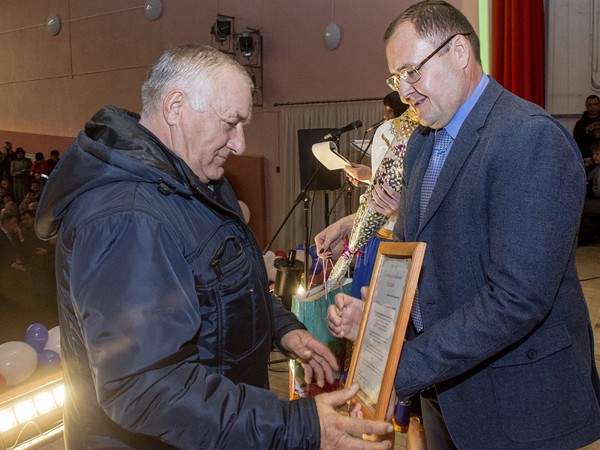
507, 340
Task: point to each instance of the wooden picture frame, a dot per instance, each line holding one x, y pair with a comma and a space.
384, 322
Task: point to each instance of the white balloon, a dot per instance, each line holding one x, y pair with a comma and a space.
54, 340
18, 361
269, 258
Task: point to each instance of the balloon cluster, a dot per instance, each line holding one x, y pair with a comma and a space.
19, 360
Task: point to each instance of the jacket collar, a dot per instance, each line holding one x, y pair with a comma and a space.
467, 138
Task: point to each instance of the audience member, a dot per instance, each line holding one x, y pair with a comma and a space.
29, 197
33, 244
6, 157
19, 171
587, 128
37, 167
10, 242
173, 351
36, 187
11, 207
6, 186
50, 163
33, 206
589, 231
593, 176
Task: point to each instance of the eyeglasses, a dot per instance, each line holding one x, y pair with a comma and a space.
411, 74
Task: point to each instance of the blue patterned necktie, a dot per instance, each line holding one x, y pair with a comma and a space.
440, 151
436, 162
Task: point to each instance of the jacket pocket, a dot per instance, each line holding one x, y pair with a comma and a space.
232, 300
542, 343
541, 388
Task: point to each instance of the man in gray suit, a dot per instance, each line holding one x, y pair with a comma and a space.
500, 346
503, 348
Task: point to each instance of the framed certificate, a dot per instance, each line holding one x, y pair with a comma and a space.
383, 327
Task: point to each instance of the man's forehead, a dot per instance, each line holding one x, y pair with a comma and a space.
232, 91
405, 47
235, 110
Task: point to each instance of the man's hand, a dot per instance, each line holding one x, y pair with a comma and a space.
316, 358
385, 200
342, 432
344, 316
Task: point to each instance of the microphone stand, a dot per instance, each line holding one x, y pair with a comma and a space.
301, 197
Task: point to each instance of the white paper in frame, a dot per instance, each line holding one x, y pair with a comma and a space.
384, 322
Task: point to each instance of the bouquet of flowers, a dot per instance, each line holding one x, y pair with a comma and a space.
367, 221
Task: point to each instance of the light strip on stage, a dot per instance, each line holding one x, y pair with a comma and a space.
32, 412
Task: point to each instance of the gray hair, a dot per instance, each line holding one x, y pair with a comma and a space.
435, 21
193, 68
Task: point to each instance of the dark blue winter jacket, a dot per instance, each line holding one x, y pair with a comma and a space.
165, 315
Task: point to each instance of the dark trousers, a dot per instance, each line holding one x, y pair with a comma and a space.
438, 437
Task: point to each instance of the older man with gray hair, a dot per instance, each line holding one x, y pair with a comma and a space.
166, 319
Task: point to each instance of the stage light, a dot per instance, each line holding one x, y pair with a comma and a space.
7, 420
32, 411
221, 29
59, 394
246, 44
44, 402
24, 411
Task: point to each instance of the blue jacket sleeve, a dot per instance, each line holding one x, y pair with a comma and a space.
135, 320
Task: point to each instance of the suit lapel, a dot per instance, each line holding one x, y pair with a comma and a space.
466, 140
461, 148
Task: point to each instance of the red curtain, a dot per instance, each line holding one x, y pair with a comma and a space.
518, 47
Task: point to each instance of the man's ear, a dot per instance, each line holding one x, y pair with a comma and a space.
462, 50
173, 106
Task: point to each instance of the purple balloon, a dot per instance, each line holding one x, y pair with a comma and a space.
37, 336
48, 360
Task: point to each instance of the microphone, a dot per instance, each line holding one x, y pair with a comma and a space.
336, 133
374, 126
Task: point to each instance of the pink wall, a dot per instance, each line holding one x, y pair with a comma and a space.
52, 85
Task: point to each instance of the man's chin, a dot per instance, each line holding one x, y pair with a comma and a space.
216, 174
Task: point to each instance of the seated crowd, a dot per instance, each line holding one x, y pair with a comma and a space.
27, 263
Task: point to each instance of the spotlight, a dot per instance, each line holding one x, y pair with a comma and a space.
246, 44
221, 29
